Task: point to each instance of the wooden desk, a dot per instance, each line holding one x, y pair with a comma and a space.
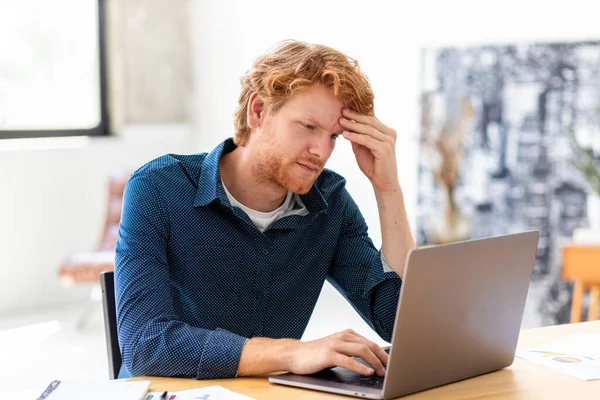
523, 380
581, 264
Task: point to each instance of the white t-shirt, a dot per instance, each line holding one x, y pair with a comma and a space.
292, 205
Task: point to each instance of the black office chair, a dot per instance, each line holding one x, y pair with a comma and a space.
107, 282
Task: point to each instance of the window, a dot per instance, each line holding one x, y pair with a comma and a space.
52, 69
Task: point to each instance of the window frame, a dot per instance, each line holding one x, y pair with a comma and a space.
102, 129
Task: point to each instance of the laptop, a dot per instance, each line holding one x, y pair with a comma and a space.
459, 315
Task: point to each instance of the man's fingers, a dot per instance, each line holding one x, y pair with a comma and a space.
381, 354
372, 144
344, 361
363, 129
369, 120
378, 351
363, 351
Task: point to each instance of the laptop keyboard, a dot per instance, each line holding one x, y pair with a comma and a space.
373, 381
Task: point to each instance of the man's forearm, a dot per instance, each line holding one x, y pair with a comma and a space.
396, 236
262, 356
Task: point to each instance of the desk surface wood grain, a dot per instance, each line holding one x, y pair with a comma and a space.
522, 380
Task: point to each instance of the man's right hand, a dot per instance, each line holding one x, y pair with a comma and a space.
262, 356
336, 350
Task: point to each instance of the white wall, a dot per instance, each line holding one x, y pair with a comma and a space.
386, 38
53, 192
53, 202
51, 206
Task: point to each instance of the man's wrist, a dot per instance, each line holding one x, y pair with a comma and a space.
286, 353
392, 191
265, 356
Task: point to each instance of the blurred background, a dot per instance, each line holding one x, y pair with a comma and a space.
495, 105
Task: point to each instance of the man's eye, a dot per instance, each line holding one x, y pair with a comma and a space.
309, 127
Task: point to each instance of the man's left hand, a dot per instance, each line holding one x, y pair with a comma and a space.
374, 145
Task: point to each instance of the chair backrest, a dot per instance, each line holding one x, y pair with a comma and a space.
107, 282
116, 187
580, 265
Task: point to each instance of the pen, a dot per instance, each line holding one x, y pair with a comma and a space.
163, 396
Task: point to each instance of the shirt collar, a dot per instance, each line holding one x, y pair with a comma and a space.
210, 187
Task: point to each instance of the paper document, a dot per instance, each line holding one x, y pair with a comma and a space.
577, 355
206, 393
114, 390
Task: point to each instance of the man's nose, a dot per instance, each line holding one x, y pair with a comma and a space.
321, 148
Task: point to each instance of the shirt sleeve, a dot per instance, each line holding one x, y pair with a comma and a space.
357, 271
153, 339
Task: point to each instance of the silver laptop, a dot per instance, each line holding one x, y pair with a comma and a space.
459, 316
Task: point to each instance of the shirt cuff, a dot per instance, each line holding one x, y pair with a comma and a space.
385, 263
221, 356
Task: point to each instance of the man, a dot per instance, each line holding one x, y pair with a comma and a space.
221, 256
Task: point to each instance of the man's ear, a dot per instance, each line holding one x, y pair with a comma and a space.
256, 111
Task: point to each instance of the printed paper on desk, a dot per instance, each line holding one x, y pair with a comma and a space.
114, 390
576, 355
205, 393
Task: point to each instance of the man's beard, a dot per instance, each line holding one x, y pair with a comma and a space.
272, 167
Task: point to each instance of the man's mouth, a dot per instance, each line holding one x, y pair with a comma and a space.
308, 167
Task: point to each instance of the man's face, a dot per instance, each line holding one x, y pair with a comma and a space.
293, 145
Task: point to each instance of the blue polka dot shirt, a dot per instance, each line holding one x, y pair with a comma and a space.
195, 278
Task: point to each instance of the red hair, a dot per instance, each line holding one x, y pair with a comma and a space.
294, 66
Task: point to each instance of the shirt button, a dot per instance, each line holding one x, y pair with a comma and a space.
258, 294
265, 251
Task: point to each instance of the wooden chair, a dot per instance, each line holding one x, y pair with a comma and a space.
85, 267
581, 264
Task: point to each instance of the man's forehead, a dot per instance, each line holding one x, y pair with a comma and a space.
320, 113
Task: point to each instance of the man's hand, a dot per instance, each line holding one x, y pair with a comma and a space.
337, 351
374, 146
